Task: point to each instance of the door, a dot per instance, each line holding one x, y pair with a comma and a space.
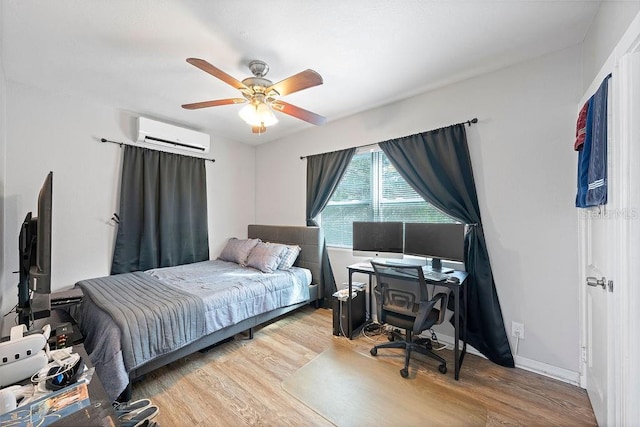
609, 248
597, 245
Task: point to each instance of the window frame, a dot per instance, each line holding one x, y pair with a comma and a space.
377, 201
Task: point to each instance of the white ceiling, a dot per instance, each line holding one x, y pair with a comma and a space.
131, 54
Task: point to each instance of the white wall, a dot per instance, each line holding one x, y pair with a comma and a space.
231, 188
525, 172
608, 26
47, 131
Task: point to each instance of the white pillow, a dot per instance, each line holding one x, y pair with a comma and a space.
265, 257
238, 250
289, 257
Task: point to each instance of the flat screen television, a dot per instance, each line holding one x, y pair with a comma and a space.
378, 239
436, 241
34, 248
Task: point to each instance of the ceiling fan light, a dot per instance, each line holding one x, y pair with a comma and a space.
265, 115
260, 115
249, 114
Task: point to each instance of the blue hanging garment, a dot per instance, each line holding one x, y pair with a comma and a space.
592, 159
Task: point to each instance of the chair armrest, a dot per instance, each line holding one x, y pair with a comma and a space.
443, 306
378, 291
426, 307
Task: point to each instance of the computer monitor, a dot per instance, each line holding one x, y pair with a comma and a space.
34, 248
436, 241
378, 239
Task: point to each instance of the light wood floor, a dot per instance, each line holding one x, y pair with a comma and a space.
239, 383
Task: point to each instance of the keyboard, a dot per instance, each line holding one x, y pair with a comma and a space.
366, 264
435, 276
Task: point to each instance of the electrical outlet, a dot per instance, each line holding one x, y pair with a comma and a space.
517, 330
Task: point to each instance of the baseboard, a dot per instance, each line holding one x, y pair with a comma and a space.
564, 375
534, 366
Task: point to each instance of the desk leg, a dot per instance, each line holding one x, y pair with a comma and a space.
456, 350
464, 326
370, 318
349, 323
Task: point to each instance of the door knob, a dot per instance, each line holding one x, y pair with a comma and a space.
593, 281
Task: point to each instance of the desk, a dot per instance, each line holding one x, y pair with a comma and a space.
458, 354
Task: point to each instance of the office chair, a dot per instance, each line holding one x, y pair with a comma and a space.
405, 300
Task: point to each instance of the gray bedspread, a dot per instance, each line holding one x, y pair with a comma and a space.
232, 293
225, 292
154, 318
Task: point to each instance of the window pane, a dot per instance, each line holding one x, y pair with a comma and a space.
394, 187
356, 182
337, 222
412, 212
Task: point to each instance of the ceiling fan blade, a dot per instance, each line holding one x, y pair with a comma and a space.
299, 113
216, 72
215, 103
303, 80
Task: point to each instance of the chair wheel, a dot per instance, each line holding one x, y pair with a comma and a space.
442, 369
404, 372
374, 351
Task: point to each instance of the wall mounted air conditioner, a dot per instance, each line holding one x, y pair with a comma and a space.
160, 136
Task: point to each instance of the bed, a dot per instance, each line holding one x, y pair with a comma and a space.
134, 323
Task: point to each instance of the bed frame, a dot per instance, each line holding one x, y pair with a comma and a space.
309, 239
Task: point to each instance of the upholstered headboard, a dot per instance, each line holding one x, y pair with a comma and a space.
310, 240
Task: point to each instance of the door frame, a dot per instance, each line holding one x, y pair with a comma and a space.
625, 298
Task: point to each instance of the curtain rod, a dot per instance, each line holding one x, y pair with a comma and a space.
468, 122
187, 155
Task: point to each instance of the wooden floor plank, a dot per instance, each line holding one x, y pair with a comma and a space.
240, 382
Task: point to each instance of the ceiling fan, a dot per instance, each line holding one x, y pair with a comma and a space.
262, 95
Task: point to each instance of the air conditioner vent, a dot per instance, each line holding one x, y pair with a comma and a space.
160, 136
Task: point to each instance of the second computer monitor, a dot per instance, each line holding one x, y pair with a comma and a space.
436, 241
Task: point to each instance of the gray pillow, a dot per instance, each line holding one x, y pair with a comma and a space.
265, 257
289, 257
238, 250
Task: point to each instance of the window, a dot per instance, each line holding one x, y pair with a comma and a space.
372, 190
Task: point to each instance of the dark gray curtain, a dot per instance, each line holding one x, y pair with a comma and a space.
324, 172
437, 165
163, 211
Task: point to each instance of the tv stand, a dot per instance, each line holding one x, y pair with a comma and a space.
38, 307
